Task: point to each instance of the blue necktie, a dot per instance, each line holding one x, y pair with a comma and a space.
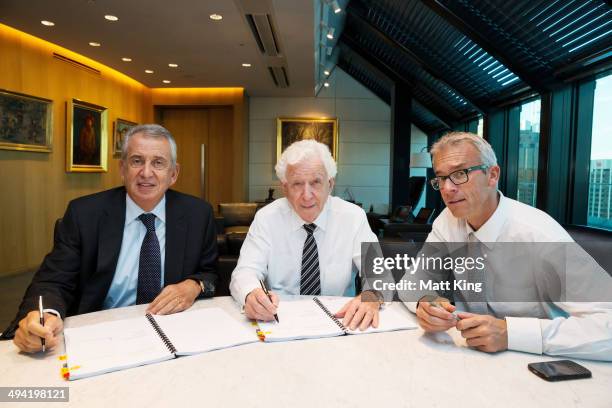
149, 267
310, 282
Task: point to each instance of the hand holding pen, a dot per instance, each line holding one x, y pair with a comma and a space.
263, 287
38, 330
436, 315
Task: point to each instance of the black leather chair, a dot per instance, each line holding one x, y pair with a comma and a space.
232, 227
597, 242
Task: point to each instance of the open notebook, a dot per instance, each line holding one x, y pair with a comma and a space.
121, 344
314, 318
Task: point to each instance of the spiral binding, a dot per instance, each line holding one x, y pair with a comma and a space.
161, 334
331, 315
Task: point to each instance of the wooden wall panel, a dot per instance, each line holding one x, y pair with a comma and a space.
34, 187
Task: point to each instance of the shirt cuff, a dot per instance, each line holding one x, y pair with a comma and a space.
52, 311
412, 306
524, 334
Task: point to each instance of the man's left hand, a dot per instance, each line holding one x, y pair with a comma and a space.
360, 312
175, 298
483, 332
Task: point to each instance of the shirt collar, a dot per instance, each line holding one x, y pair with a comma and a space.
490, 231
133, 210
321, 222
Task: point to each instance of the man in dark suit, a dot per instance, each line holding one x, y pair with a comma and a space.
140, 243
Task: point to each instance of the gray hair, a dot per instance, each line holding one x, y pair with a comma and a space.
304, 150
487, 155
150, 130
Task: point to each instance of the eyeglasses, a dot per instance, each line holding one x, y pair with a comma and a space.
137, 162
457, 177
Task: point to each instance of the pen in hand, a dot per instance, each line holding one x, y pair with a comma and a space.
42, 320
263, 286
438, 305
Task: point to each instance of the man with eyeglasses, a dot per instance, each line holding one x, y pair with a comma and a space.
137, 244
478, 214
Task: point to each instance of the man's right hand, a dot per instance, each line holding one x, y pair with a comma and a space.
436, 319
30, 332
258, 306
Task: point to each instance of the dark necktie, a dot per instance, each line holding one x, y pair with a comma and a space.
149, 267
310, 282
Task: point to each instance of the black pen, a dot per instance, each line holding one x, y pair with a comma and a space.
42, 320
263, 286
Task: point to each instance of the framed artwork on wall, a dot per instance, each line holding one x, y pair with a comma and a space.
87, 137
26, 122
120, 128
289, 130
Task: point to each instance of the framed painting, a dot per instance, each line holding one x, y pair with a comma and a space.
87, 138
289, 130
120, 128
25, 122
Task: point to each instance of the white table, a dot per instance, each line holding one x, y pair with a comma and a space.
406, 369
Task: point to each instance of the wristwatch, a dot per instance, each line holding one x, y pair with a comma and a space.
202, 286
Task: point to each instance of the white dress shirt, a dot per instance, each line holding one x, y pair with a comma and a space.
122, 291
272, 250
575, 329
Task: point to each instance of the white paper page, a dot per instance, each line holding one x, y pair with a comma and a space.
299, 319
201, 330
111, 346
389, 318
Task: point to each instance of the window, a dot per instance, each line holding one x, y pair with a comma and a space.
600, 177
529, 140
480, 127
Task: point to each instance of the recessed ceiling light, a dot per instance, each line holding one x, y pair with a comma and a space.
126, 59
94, 44
326, 72
110, 17
47, 23
330, 33
216, 17
149, 71
173, 65
246, 65
326, 84
336, 6
165, 81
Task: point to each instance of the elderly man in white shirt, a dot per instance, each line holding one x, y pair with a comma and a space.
467, 175
307, 243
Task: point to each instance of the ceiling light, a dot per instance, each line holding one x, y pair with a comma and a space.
94, 44
246, 65
330, 33
216, 17
148, 71
173, 65
47, 23
126, 59
110, 17
165, 81
336, 7
326, 72
326, 84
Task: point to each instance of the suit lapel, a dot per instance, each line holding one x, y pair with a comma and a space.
110, 237
176, 234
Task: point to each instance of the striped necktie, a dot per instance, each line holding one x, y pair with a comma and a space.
149, 267
310, 281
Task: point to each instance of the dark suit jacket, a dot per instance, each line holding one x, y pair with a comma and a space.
76, 276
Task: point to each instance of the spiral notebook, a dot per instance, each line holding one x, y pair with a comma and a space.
314, 318
117, 345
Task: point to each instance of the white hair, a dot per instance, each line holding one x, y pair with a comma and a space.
302, 151
150, 130
487, 155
